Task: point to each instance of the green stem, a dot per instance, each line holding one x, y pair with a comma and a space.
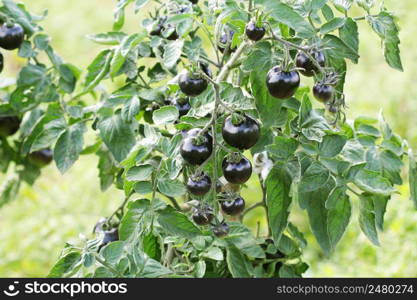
143, 81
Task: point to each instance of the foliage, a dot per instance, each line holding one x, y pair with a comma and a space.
319, 160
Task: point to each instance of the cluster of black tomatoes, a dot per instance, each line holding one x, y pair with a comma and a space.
283, 84
240, 132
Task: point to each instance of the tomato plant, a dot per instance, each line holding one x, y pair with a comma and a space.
214, 97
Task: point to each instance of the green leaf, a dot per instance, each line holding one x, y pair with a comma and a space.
165, 115
314, 177
9, 189
283, 147
237, 263
332, 25
332, 145
139, 173
342, 5
338, 48
172, 53
98, 69
68, 146
176, 223
131, 109
315, 204
278, 199
135, 219
113, 252
171, 188
349, 34
118, 136
108, 38
367, 219
242, 238
373, 182
120, 55
65, 265
287, 15
339, 212
384, 25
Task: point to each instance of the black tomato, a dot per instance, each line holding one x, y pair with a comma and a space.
237, 172
196, 148
182, 104
41, 158
199, 185
282, 84
308, 68
333, 109
191, 86
202, 217
254, 32
1, 62
221, 229
243, 135
323, 92
9, 125
226, 39
233, 207
111, 235
11, 36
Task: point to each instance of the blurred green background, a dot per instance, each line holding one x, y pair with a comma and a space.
58, 208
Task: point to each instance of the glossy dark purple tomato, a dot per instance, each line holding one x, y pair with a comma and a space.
182, 104
308, 68
282, 84
111, 235
199, 185
221, 229
41, 158
323, 92
191, 86
243, 135
202, 217
237, 172
9, 125
233, 207
226, 39
253, 32
196, 149
11, 36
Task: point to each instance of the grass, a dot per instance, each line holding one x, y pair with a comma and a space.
59, 208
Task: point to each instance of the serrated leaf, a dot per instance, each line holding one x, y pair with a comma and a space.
278, 199
165, 115
287, 15
367, 219
177, 223
384, 25
313, 178
171, 188
98, 69
172, 53
118, 136
237, 263
69, 146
